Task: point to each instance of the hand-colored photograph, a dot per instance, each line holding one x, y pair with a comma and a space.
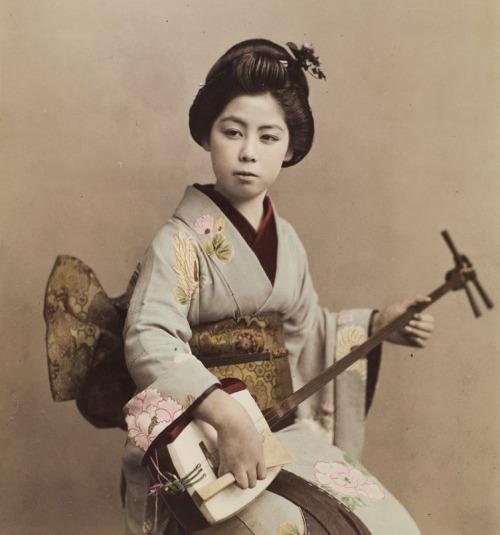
250, 263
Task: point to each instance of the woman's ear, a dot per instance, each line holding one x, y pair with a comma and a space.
205, 144
288, 155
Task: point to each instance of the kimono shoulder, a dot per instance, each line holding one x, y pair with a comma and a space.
157, 330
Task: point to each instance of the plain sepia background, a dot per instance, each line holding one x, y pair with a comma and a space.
97, 153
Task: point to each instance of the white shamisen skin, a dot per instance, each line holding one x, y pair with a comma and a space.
248, 143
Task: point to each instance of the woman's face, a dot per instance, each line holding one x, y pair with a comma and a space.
248, 144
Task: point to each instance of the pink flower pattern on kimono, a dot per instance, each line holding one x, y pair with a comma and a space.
145, 401
347, 480
149, 414
138, 429
204, 224
216, 243
168, 410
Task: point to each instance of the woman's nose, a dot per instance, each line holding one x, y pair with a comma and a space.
248, 152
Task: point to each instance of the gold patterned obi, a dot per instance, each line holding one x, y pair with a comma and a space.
85, 347
250, 348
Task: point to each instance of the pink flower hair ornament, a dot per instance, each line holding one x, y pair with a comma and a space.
308, 59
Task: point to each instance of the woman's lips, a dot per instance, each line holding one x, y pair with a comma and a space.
244, 174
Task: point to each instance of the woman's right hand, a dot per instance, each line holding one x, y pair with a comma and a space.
240, 444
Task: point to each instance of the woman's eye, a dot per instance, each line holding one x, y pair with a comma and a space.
268, 138
232, 132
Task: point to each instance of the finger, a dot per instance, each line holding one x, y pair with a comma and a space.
241, 478
261, 470
423, 335
423, 317
239, 474
252, 478
415, 332
417, 341
421, 325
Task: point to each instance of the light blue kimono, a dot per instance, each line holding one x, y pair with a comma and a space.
199, 269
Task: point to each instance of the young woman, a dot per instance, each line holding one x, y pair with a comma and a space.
224, 279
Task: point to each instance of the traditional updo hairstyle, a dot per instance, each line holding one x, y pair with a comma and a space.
256, 67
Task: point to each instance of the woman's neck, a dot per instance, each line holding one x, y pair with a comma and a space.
251, 209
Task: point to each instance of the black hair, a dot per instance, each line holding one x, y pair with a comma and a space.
255, 67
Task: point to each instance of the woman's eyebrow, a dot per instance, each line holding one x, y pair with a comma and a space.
239, 120
271, 126
233, 119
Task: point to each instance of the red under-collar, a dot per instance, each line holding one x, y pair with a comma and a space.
263, 242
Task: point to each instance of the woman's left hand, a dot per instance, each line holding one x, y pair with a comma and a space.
416, 332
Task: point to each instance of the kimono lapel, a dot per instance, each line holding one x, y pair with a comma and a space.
281, 279
225, 250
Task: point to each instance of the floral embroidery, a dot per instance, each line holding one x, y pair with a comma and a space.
188, 268
348, 481
217, 244
188, 401
149, 414
203, 225
220, 224
288, 528
220, 247
347, 339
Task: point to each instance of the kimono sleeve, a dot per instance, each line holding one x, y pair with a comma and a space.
316, 338
170, 379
